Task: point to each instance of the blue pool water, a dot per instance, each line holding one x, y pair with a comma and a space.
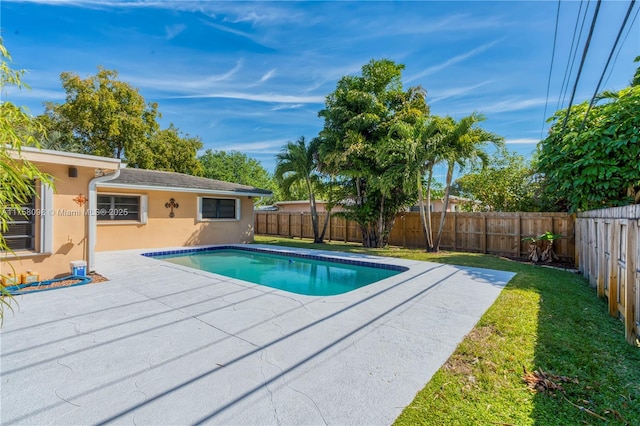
303, 275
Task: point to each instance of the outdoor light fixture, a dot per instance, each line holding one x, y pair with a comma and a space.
73, 172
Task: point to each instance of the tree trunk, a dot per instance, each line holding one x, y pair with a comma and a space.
447, 190
327, 218
380, 226
314, 213
425, 218
430, 246
369, 238
388, 226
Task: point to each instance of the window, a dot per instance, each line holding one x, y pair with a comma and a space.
21, 227
119, 208
218, 208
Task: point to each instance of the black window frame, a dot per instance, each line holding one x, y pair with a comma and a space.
26, 219
218, 208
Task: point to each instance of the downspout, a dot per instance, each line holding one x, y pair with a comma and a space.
93, 218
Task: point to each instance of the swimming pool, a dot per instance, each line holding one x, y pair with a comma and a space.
310, 275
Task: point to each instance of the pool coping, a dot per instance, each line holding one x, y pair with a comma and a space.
268, 250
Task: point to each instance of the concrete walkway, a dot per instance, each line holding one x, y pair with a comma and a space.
165, 344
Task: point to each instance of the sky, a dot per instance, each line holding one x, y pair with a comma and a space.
251, 76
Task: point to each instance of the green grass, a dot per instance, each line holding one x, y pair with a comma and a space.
544, 319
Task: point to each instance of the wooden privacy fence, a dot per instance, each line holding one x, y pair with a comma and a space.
608, 254
491, 233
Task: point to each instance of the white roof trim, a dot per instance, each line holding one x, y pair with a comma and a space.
175, 189
70, 154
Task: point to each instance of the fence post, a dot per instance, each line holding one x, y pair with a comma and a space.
601, 259
329, 225
484, 234
629, 289
346, 230
404, 231
289, 225
455, 231
613, 268
518, 234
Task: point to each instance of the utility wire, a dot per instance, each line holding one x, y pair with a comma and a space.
633, 21
604, 71
572, 55
584, 57
553, 54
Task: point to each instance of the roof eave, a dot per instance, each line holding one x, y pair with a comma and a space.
179, 189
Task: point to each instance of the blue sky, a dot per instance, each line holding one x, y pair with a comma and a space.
250, 76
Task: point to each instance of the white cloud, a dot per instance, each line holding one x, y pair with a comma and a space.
12, 94
228, 30
171, 31
440, 95
513, 105
262, 147
225, 76
183, 83
286, 106
452, 61
259, 97
268, 75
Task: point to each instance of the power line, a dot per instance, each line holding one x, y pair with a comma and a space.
633, 21
582, 60
553, 54
572, 55
604, 71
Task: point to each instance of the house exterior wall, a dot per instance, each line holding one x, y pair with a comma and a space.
183, 229
303, 206
66, 226
299, 207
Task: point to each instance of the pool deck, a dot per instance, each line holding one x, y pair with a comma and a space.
164, 344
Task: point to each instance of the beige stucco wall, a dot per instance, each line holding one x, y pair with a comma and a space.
69, 224
303, 207
181, 230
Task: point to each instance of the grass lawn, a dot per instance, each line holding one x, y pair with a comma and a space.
545, 321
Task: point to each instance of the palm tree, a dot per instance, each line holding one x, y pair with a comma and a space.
418, 143
297, 164
461, 141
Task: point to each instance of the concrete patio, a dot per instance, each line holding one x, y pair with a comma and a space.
165, 344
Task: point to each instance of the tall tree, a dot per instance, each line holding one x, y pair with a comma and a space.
297, 163
171, 151
463, 142
358, 116
57, 133
106, 115
593, 162
16, 172
507, 184
236, 167
419, 152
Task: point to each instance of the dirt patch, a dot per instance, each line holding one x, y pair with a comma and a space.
481, 333
465, 364
557, 264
